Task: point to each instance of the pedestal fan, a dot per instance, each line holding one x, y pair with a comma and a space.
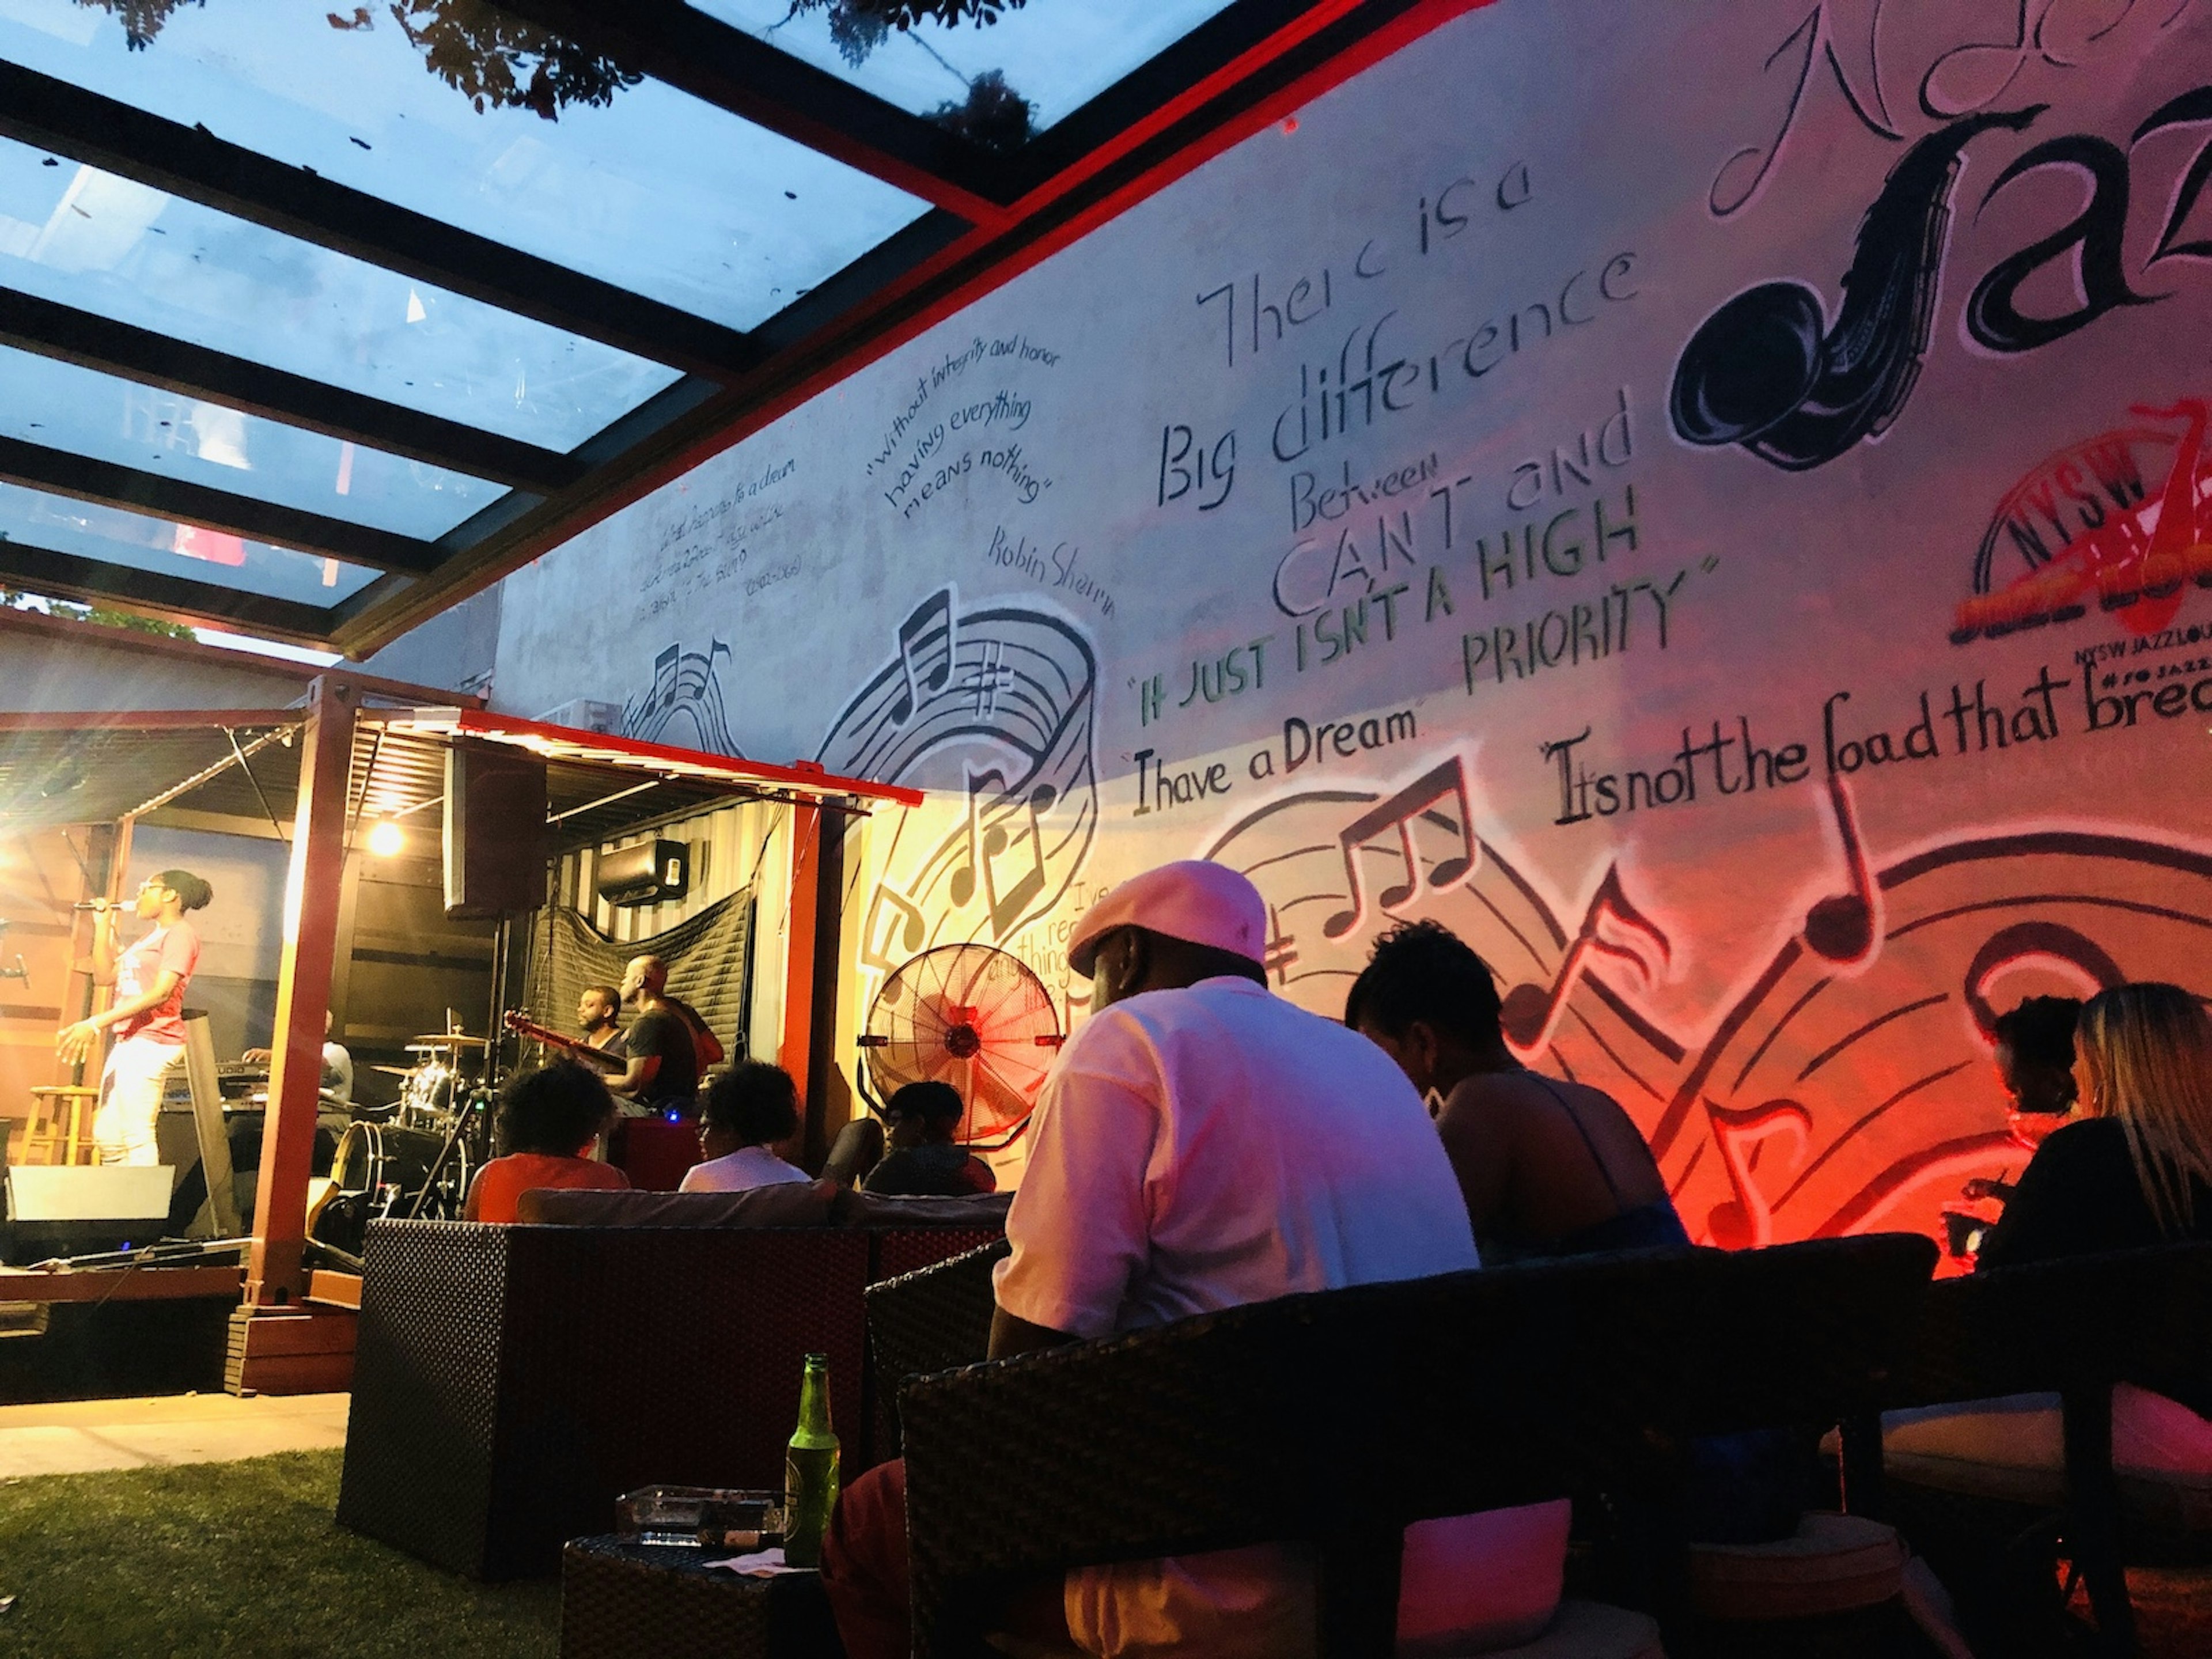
970, 1015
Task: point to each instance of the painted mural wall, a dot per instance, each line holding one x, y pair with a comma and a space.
1705, 500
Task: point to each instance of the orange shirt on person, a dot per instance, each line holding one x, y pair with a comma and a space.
501, 1182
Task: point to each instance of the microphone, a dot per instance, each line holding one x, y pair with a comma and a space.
94, 904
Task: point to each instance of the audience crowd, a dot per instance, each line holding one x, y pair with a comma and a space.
1201, 1142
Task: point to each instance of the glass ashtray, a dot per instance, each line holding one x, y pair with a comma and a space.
701, 1517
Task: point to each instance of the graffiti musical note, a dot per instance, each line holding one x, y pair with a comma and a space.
1282, 948
988, 843
1840, 929
906, 925
2047, 944
924, 642
1529, 1009
686, 690
1747, 1220
1397, 813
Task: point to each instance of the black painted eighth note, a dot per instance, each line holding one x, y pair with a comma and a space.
989, 843
906, 922
1397, 813
924, 653
1840, 929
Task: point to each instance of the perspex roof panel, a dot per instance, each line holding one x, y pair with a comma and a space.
495, 125
314, 318
113, 246
39, 521
1053, 55
43, 401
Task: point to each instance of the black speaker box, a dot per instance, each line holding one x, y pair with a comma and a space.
651, 873
494, 831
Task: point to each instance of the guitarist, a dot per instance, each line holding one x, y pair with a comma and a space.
707, 1045
663, 1070
596, 1011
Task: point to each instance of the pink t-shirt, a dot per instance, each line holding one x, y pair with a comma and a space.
1200, 1149
174, 949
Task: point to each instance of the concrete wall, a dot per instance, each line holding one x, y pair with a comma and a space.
1703, 500
453, 650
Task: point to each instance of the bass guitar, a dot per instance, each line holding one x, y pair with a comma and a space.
520, 1024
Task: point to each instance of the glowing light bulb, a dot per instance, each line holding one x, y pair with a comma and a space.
384, 839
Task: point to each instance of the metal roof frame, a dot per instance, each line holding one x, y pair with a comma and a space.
153, 759
992, 215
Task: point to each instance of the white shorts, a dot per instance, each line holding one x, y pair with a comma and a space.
130, 1100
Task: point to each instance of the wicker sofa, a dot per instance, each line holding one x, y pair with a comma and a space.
511, 1382
1338, 1418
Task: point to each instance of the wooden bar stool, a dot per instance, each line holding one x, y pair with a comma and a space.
50, 1098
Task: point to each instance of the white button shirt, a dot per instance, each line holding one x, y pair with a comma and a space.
1199, 1149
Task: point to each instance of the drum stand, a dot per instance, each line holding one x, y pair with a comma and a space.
479, 1104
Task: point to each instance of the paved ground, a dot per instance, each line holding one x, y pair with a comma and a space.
79, 1436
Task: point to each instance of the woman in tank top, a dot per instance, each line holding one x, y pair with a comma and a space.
147, 1014
1547, 1168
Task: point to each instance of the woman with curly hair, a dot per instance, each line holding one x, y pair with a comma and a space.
1547, 1168
546, 1122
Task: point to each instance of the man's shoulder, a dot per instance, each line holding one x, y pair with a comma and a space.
1226, 1000
1201, 1022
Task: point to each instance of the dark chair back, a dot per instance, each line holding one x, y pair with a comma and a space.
1340, 1417
935, 1320
2075, 1327
2088, 1322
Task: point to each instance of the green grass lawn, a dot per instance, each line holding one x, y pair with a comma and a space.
240, 1560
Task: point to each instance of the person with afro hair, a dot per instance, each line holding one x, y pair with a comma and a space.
546, 1122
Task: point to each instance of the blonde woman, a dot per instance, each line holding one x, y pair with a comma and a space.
2136, 1170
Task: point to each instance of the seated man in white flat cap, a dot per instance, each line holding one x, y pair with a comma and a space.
1201, 1144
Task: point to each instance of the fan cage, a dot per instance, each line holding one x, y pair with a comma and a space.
970, 1015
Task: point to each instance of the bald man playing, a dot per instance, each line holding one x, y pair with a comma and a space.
663, 1073
703, 1035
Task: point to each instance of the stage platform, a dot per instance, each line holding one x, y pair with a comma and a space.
99, 1332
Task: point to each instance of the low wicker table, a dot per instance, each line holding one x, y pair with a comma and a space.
626, 1600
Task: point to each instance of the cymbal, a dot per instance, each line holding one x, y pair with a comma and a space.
394, 1071
442, 1040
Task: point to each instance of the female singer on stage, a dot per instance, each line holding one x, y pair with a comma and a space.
149, 979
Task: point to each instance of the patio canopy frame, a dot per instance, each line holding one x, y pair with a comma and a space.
987, 214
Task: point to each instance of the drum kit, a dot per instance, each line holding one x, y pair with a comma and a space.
412, 1160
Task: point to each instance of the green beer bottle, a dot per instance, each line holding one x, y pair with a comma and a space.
809, 1469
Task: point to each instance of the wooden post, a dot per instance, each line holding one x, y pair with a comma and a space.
808, 1050
801, 939
274, 1275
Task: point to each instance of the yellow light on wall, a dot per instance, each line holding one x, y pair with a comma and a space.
384, 839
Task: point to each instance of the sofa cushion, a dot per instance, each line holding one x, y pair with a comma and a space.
2013, 1450
859, 1209
789, 1204
1835, 1562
